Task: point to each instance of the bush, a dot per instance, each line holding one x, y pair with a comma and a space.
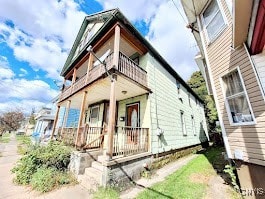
46, 179
43, 179
44, 167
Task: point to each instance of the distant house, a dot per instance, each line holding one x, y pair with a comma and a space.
122, 102
231, 38
44, 123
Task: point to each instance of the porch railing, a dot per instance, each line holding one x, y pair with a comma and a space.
129, 141
94, 137
130, 69
126, 67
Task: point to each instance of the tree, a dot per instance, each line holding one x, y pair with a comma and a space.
10, 121
198, 85
32, 117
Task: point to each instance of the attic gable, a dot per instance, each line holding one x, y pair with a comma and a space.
90, 26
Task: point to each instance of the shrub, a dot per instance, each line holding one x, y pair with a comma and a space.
44, 167
43, 179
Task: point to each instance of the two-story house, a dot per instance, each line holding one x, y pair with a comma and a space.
230, 35
127, 101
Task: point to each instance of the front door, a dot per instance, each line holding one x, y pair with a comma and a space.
132, 122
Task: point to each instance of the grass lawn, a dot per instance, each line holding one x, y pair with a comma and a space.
188, 182
23, 144
5, 138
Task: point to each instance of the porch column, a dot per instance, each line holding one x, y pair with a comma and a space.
112, 116
116, 49
90, 61
55, 121
65, 115
80, 121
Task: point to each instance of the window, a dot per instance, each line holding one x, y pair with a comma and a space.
183, 126
237, 104
189, 100
193, 125
94, 114
213, 20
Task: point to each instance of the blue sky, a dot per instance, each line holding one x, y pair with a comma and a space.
36, 37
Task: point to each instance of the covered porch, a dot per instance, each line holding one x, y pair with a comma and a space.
111, 115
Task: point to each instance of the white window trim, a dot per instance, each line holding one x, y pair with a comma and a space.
193, 125
204, 27
228, 111
183, 125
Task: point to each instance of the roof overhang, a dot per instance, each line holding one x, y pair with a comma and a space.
258, 32
242, 11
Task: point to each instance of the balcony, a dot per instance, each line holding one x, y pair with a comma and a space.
126, 67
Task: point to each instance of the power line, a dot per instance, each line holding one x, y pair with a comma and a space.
183, 18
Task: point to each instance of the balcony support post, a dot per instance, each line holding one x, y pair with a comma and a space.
65, 115
112, 118
89, 66
80, 121
116, 50
55, 121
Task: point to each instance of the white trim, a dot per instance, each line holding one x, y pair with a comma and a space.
183, 123
226, 143
244, 92
209, 41
255, 72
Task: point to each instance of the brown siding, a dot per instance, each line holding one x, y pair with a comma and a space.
222, 59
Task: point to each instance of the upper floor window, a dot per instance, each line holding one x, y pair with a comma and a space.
237, 104
213, 21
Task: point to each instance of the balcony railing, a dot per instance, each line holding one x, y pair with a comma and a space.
126, 67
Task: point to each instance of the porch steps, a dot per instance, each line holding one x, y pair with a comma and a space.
101, 158
91, 179
97, 165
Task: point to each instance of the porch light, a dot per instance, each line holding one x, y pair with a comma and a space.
124, 92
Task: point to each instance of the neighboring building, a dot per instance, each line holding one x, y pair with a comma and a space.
131, 106
44, 123
231, 39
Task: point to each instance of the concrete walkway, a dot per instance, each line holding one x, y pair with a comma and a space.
8, 190
160, 175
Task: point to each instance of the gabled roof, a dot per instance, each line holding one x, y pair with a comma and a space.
110, 17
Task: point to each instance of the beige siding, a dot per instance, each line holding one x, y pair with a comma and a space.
222, 59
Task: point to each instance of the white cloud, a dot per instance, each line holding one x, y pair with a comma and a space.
5, 71
167, 30
23, 73
23, 93
168, 34
135, 11
43, 31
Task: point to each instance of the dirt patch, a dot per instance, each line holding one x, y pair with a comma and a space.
199, 178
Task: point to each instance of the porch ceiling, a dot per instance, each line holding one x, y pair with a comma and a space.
100, 90
242, 10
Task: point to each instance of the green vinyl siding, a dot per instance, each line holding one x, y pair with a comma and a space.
165, 107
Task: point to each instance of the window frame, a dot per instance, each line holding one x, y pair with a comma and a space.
204, 27
193, 125
183, 123
244, 92
90, 115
